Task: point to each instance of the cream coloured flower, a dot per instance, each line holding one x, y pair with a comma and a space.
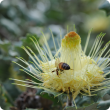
85, 75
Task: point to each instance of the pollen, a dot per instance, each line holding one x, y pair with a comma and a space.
71, 40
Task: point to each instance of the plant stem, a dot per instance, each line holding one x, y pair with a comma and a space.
69, 100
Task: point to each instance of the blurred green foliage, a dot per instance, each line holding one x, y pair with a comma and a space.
106, 6
19, 17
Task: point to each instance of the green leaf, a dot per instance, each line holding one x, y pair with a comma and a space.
106, 7
11, 26
5, 46
54, 93
11, 89
104, 105
4, 70
28, 42
32, 109
84, 101
4, 99
51, 97
55, 14
90, 107
50, 92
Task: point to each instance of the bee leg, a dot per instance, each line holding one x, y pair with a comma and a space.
57, 72
53, 70
62, 71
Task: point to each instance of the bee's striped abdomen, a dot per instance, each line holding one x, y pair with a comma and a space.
64, 66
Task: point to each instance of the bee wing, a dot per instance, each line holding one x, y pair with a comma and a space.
57, 62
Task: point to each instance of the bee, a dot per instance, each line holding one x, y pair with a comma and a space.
61, 66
